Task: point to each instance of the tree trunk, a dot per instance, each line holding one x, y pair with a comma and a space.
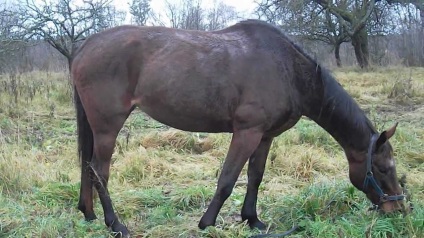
360, 45
337, 55
69, 59
421, 32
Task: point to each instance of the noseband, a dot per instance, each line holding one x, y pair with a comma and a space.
369, 177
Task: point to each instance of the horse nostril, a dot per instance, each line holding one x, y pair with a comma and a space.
374, 208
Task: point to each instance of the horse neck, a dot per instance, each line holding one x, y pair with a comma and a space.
335, 111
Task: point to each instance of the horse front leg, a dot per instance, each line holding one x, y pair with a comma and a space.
243, 143
255, 174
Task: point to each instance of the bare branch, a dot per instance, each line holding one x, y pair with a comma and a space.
140, 11
64, 23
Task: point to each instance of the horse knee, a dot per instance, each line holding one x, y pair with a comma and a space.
104, 145
88, 213
255, 181
226, 191
103, 150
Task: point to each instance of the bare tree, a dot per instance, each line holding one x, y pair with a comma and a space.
6, 22
419, 4
64, 23
140, 11
413, 30
308, 21
10, 39
219, 16
360, 18
186, 14
351, 15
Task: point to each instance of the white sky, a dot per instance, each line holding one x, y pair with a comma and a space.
240, 5
244, 7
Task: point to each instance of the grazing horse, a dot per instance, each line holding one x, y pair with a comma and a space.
248, 79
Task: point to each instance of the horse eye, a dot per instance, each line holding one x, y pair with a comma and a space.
382, 170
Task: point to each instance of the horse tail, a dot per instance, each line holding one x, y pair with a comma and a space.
85, 134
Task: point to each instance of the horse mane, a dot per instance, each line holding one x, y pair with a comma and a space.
337, 105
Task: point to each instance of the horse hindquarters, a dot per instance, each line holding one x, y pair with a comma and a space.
106, 115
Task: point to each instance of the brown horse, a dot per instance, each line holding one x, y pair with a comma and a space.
248, 79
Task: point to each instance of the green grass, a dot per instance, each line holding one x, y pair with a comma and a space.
163, 179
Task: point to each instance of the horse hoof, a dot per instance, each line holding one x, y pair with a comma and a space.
90, 217
257, 224
120, 230
202, 224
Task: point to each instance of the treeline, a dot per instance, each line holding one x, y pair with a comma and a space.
378, 31
42, 35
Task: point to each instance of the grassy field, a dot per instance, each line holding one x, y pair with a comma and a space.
163, 179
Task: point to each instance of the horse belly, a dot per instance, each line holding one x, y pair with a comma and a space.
188, 103
188, 118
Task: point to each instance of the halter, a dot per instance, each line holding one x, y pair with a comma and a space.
369, 177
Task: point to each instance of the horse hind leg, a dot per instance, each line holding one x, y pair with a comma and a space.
104, 144
106, 114
255, 174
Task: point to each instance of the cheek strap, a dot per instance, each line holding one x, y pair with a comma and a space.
370, 179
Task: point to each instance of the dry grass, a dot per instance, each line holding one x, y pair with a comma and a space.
162, 179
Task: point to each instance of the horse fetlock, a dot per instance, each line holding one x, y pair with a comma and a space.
250, 217
256, 223
253, 221
205, 222
88, 215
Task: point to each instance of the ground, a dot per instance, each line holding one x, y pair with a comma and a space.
163, 179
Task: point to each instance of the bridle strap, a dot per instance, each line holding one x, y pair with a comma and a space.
369, 176
371, 148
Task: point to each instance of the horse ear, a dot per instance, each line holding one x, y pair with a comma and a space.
318, 67
385, 136
390, 132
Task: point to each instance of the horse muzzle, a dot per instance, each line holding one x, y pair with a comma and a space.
402, 206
